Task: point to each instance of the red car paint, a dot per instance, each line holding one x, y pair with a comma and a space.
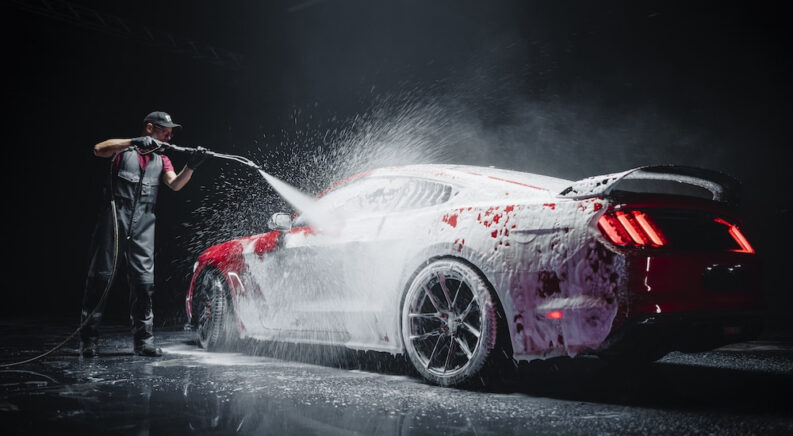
674, 283
450, 220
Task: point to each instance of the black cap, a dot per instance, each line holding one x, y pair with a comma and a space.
161, 119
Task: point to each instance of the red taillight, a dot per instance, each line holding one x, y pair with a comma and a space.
612, 229
738, 236
654, 233
631, 228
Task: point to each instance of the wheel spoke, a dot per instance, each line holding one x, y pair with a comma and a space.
432, 298
432, 355
456, 293
467, 310
434, 315
464, 347
206, 310
472, 329
426, 335
442, 280
449, 355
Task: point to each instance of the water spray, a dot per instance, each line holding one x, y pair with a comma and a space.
293, 196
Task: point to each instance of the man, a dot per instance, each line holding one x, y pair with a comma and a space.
136, 172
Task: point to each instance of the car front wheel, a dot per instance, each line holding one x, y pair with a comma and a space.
213, 308
449, 322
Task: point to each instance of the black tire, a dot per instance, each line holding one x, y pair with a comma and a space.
215, 322
450, 322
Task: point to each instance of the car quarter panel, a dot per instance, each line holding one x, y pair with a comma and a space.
558, 285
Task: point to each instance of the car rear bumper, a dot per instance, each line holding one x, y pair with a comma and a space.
687, 332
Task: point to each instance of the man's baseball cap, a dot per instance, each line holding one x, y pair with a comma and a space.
161, 119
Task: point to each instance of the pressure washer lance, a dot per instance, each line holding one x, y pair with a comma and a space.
161, 146
189, 150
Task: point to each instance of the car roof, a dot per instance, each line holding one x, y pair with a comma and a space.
472, 175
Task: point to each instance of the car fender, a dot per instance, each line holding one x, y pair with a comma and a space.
228, 258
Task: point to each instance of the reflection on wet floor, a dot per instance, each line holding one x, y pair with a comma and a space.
192, 391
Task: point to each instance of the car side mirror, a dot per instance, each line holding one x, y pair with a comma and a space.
280, 221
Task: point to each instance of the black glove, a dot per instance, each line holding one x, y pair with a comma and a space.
146, 143
197, 158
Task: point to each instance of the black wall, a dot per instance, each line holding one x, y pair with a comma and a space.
569, 89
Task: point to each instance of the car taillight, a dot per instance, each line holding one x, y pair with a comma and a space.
632, 228
736, 234
689, 230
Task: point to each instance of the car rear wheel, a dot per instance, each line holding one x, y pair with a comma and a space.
213, 308
449, 322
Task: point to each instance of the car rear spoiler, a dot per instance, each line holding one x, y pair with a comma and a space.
723, 187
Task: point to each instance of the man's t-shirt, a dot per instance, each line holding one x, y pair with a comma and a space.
144, 160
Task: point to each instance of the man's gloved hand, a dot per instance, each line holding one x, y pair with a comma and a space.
197, 158
146, 143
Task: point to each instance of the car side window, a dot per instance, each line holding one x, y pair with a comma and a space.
374, 195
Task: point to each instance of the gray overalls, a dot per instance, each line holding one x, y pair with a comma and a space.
135, 193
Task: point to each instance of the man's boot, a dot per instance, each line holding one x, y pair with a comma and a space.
88, 348
148, 351
142, 319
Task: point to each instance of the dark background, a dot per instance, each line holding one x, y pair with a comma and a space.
568, 89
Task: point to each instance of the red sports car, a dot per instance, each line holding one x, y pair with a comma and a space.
461, 267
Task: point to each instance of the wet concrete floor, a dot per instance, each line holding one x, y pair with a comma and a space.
740, 389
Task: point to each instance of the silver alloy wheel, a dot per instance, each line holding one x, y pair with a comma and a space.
449, 322
212, 311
